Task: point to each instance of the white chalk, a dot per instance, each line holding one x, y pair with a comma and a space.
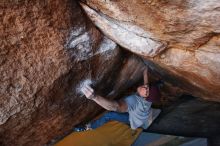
83, 84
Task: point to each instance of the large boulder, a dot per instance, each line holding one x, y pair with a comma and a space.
48, 48
180, 39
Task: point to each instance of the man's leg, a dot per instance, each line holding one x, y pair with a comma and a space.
110, 116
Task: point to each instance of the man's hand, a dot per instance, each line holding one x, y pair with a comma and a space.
143, 90
88, 92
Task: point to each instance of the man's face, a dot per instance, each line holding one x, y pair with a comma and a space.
143, 90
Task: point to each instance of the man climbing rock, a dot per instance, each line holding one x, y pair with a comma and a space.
134, 110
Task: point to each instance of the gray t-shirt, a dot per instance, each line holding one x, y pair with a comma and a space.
139, 110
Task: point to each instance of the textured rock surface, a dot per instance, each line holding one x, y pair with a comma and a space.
189, 28
186, 116
47, 49
128, 36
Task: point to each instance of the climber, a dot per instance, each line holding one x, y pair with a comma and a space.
134, 110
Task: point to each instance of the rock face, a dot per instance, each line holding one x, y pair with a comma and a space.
48, 49
188, 29
128, 36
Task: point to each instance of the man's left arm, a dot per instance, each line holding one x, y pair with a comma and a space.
144, 89
145, 75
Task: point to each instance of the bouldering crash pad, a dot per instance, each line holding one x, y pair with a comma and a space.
110, 134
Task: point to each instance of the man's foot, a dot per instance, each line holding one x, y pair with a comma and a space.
83, 128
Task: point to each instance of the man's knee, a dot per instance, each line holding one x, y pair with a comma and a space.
111, 115
107, 115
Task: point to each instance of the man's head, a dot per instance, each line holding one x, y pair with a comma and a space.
143, 90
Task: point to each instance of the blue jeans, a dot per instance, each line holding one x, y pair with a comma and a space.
110, 116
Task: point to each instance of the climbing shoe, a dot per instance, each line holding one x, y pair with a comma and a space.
82, 128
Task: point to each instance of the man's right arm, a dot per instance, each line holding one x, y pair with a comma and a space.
110, 105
